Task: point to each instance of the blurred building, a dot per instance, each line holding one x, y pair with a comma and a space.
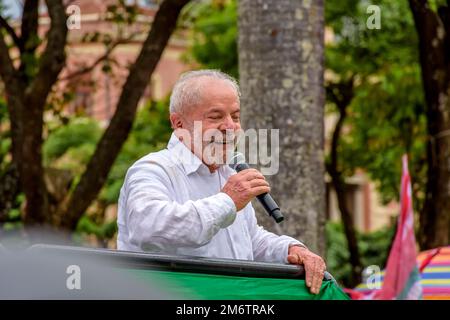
95, 93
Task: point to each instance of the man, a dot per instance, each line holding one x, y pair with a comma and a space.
183, 200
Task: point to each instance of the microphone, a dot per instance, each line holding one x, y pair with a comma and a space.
238, 163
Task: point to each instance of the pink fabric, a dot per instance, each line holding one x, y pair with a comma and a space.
402, 258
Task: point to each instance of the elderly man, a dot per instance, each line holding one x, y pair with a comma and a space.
183, 200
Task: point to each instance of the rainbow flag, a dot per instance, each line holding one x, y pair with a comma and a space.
434, 272
402, 278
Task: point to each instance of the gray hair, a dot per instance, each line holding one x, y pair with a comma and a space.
187, 90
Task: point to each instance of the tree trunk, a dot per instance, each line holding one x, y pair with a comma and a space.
281, 54
342, 94
26, 95
9, 189
433, 29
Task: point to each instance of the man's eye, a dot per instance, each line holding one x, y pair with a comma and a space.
214, 117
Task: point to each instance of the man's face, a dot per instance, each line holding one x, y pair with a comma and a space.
214, 122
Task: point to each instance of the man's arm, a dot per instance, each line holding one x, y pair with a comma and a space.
272, 248
157, 222
268, 246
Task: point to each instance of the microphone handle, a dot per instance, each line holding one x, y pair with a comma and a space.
271, 207
265, 199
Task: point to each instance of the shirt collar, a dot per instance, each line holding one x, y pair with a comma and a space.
189, 161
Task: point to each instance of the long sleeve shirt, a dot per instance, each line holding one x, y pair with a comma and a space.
171, 203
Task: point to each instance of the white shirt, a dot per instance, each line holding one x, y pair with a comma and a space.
170, 203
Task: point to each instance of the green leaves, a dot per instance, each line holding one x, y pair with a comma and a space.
80, 135
104, 231
214, 36
386, 117
5, 136
151, 132
122, 13
373, 247
72, 145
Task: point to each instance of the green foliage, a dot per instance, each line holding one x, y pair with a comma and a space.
387, 116
151, 131
103, 231
122, 12
373, 247
5, 138
214, 33
71, 146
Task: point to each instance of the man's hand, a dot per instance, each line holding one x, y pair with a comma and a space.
244, 186
314, 266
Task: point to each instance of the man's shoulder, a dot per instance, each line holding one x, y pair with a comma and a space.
157, 156
154, 162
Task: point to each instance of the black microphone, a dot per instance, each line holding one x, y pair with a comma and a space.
238, 163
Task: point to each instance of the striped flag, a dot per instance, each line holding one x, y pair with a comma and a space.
402, 278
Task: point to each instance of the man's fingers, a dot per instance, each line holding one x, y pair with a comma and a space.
317, 281
318, 276
258, 183
251, 174
308, 274
293, 259
246, 172
313, 275
260, 190
318, 285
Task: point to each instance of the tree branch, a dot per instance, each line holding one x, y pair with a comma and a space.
341, 94
29, 39
29, 151
9, 189
115, 135
4, 24
9, 76
430, 50
103, 57
53, 57
14, 98
434, 60
29, 26
7, 70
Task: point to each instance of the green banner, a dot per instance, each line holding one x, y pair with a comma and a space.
187, 285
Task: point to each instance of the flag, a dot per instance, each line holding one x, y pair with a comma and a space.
402, 277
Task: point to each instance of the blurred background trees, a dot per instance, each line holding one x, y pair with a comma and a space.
432, 22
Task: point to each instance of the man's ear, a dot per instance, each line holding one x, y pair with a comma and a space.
176, 121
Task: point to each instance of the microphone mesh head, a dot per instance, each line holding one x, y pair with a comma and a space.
236, 159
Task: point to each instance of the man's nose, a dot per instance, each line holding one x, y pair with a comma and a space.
228, 123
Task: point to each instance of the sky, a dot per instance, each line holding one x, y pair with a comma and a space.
13, 8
